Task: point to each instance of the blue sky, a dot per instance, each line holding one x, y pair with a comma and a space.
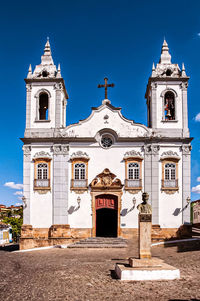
91, 39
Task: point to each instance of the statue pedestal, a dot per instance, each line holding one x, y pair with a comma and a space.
144, 235
145, 268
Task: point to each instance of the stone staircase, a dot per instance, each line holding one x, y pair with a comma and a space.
100, 242
196, 231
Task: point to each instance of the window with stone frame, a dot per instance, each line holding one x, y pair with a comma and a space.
79, 178
170, 175
42, 174
133, 174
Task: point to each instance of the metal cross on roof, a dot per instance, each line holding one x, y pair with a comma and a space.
106, 85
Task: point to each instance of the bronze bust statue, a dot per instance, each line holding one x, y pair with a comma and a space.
144, 207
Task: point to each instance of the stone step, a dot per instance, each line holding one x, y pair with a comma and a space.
97, 246
100, 242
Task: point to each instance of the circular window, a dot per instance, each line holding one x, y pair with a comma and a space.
106, 141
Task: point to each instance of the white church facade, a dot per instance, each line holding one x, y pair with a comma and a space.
86, 179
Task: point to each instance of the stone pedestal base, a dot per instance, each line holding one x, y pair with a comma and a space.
146, 269
144, 235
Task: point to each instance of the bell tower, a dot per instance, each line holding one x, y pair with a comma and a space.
45, 97
166, 96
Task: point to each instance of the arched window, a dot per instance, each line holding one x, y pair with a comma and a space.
133, 171
170, 171
169, 106
42, 171
43, 106
79, 171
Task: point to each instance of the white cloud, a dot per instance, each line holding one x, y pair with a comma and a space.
18, 193
196, 189
18, 204
197, 117
198, 179
13, 185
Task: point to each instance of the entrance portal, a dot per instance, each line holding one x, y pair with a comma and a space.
106, 216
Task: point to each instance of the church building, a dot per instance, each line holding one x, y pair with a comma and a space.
86, 179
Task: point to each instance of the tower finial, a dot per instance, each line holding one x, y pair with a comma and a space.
153, 74
59, 71
165, 57
29, 71
183, 73
46, 58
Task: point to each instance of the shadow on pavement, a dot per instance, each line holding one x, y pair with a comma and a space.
185, 246
10, 247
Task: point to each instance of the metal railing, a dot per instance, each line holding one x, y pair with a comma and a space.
79, 183
169, 183
133, 183
43, 183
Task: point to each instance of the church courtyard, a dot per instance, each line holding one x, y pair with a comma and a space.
87, 274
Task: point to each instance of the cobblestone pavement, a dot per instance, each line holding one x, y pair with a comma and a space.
87, 274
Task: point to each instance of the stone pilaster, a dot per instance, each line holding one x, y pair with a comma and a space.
186, 183
60, 184
26, 184
155, 184
28, 106
58, 108
147, 170
185, 109
151, 178
153, 106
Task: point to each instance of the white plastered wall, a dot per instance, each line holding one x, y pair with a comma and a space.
170, 205
99, 160
51, 110
40, 204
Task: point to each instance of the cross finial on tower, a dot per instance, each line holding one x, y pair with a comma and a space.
106, 85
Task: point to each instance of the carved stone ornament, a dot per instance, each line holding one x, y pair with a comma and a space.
106, 180
26, 149
155, 149
132, 154
186, 149
60, 149
170, 191
147, 149
28, 88
58, 86
42, 154
64, 133
184, 85
169, 154
161, 70
42, 191
80, 154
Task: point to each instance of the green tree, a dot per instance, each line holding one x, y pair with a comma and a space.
16, 224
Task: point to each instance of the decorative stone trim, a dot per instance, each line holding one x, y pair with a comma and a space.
60, 149
169, 154
80, 155
155, 149
27, 150
133, 154
42, 154
186, 149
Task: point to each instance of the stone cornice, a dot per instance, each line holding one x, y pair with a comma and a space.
89, 139
45, 81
